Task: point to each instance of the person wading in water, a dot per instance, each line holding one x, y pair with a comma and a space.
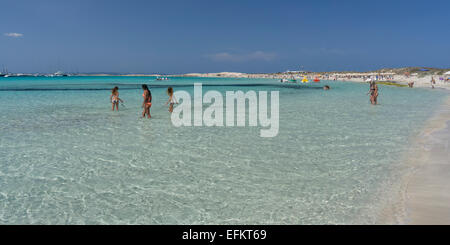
147, 101
373, 93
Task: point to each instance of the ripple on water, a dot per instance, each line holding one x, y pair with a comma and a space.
67, 159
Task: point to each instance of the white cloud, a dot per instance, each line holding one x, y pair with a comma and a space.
13, 34
257, 55
323, 51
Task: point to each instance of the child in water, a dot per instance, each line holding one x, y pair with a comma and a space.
171, 100
115, 98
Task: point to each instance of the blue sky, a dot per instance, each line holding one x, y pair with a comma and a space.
212, 36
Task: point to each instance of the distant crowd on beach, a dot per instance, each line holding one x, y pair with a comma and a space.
431, 81
409, 79
147, 100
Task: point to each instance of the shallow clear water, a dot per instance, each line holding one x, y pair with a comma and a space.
66, 158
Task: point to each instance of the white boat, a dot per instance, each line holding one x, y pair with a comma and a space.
60, 74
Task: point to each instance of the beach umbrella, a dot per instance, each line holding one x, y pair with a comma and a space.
447, 73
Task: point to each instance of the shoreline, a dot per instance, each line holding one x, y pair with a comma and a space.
427, 188
422, 194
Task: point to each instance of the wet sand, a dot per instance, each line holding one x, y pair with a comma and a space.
427, 190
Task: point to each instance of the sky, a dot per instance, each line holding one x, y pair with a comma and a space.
185, 36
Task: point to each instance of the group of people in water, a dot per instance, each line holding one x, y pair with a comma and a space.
147, 102
147, 98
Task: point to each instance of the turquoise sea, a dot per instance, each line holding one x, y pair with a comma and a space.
66, 158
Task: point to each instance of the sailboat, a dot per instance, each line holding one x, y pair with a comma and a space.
4, 73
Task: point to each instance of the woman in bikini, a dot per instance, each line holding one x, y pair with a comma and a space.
375, 93
147, 101
115, 98
372, 93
